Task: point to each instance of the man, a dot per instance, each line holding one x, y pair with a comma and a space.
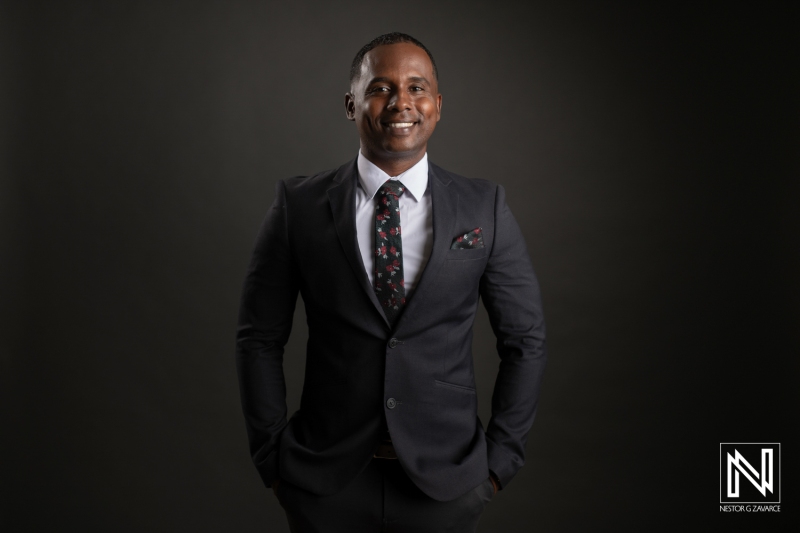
390, 254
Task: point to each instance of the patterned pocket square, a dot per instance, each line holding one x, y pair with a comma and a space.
468, 241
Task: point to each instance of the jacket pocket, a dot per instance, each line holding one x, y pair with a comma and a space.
460, 388
462, 254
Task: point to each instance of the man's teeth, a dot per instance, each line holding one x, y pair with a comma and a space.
401, 124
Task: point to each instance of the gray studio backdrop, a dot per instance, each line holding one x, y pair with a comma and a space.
648, 153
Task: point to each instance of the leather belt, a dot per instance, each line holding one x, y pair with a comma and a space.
385, 448
385, 451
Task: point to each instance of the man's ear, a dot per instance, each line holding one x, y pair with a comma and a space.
438, 107
350, 106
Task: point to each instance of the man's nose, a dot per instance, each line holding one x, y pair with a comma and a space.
400, 101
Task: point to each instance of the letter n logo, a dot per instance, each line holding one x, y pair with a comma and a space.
749, 473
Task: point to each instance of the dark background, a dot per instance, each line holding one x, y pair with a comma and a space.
650, 154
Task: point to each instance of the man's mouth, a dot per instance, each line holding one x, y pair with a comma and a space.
400, 124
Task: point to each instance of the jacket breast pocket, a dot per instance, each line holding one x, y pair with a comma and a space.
466, 254
459, 277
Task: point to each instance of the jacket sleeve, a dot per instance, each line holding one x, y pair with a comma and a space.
267, 307
510, 293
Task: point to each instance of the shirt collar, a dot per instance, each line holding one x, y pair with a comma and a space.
415, 178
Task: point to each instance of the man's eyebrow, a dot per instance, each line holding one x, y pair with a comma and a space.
415, 79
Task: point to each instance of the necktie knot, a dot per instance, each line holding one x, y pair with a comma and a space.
392, 187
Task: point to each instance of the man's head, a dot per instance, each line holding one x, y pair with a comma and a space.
387, 38
394, 100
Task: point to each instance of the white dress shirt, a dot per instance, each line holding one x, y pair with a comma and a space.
416, 217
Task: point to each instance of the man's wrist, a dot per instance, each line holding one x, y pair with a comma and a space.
495, 482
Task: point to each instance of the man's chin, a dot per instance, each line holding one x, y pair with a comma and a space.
403, 150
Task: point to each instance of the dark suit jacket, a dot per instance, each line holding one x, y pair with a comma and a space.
418, 375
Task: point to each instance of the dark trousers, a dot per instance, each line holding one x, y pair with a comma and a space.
382, 499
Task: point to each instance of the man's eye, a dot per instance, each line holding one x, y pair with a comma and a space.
378, 89
415, 88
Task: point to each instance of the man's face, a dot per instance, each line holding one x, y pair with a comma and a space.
395, 102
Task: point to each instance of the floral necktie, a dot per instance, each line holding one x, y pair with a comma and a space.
389, 282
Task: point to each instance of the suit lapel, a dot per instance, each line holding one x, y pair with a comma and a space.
445, 208
342, 197
444, 200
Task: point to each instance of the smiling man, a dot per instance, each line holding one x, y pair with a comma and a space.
390, 254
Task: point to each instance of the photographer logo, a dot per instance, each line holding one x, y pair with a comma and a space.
749, 473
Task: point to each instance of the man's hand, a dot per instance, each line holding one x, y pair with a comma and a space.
495, 484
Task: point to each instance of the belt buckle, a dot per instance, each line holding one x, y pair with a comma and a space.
385, 451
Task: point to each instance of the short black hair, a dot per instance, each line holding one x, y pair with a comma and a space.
387, 38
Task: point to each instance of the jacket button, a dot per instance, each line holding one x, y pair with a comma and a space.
393, 342
390, 403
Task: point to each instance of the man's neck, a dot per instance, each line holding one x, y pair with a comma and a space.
393, 166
